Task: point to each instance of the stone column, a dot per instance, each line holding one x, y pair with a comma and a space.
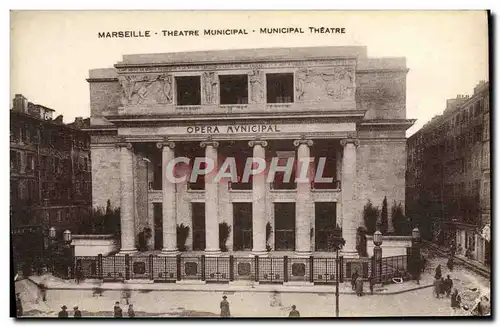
350, 221
169, 227
211, 201
303, 201
259, 202
127, 201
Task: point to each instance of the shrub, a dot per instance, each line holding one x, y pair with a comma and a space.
383, 217
182, 235
224, 231
370, 217
399, 221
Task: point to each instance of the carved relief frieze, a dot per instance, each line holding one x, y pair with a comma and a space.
146, 89
336, 83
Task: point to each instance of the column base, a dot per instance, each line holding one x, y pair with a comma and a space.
169, 253
213, 253
303, 253
260, 253
127, 251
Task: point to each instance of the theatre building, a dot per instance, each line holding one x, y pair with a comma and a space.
330, 102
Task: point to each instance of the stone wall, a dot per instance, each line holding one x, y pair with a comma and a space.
391, 245
93, 245
105, 175
380, 172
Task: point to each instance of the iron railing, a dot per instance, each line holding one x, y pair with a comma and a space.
224, 269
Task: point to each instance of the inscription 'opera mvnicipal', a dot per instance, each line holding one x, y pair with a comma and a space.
262, 128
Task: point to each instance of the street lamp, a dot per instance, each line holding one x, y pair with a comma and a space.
337, 244
52, 233
52, 238
67, 237
415, 251
377, 253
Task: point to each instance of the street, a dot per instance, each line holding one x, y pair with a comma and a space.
262, 304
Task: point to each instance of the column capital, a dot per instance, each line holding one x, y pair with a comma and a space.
303, 140
123, 144
209, 142
349, 140
165, 143
255, 142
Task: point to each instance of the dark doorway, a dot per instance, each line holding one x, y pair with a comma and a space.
198, 210
325, 221
242, 232
284, 219
487, 253
158, 220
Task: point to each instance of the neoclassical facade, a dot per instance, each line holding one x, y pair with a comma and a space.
317, 102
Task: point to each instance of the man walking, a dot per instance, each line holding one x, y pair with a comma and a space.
294, 313
131, 312
118, 312
76, 313
63, 313
224, 307
448, 285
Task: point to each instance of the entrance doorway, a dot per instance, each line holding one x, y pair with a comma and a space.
242, 231
284, 219
198, 211
325, 221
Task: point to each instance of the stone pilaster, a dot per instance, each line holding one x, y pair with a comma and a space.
211, 201
259, 202
127, 200
303, 201
350, 222
168, 201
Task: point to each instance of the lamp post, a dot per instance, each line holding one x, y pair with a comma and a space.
67, 238
377, 253
52, 238
337, 243
415, 252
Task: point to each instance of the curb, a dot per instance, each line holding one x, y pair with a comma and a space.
222, 289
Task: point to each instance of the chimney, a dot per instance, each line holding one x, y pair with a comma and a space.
20, 103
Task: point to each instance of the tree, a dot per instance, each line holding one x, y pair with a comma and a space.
383, 217
269, 230
370, 216
399, 221
182, 235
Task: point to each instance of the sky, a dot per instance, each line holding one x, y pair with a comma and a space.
52, 51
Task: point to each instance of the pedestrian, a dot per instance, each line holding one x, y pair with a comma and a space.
459, 249
359, 285
437, 287
455, 299
448, 285
118, 312
43, 291
453, 248
131, 312
372, 282
353, 279
78, 274
19, 305
294, 312
449, 264
76, 313
63, 313
224, 307
438, 274
442, 286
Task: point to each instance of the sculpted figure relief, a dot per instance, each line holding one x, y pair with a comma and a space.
210, 87
256, 94
146, 89
316, 85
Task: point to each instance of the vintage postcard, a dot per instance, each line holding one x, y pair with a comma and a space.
244, 164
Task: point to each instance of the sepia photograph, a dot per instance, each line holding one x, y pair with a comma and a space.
250, 164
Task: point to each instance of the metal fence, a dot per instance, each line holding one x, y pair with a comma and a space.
223, 269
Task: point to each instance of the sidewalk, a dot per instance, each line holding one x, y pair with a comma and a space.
477, 266
53, 283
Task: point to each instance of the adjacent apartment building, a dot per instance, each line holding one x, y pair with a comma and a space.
50, 182
331, 102
448, 176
